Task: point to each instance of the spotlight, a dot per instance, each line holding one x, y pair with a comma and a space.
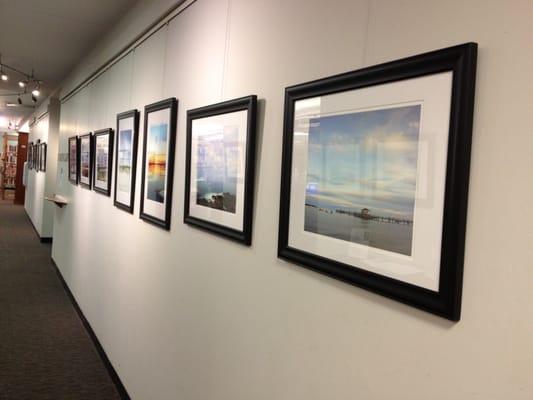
33, 98
4, 77
22, 83
35, 92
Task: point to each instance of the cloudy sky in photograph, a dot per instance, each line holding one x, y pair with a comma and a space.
365, 159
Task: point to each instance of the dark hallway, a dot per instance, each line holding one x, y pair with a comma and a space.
45, 351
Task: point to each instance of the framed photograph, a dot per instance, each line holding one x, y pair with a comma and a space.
126, 164
73, 165
30, 155
375, 177
86, 160
219, 181
103, 160
158, 162
37, 155
42, 152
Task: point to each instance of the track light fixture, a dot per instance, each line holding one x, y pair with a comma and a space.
26, 82
36, 90
3, 75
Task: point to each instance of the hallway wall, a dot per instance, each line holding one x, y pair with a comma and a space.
186, 314
42, 183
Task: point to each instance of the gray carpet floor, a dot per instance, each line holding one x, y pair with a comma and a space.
45, 351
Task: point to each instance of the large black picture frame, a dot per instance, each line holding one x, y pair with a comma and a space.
172, 105
91, 160
134, 114
461, 61
103, 132
74, 139
249, 104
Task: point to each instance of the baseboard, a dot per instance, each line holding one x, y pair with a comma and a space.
101, 352
42, 239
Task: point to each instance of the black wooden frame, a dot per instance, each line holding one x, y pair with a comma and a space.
125, 115
42, 161
91, 155
172, 104
461, 60
248, 103
96, 134
75, 138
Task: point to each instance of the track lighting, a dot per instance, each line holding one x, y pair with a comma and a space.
27, 82
2, 73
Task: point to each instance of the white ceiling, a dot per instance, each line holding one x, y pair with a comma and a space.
51, 37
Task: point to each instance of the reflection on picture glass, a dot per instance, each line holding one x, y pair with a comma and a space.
217, 168
157, 162
361, 179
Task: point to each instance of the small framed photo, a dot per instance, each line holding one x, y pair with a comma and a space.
126, 164
73, 165
37, 155
86, 160
158, 162
375, 177
30, 155
103, 160
219, 181
42, 152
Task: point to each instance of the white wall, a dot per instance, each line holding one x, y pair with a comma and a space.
42, 183
188, 315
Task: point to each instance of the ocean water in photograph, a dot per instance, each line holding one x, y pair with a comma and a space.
217, 168
157, 162
124, 161
361, 179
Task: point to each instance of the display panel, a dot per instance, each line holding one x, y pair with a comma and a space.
86, 160
158, 162
367, 184
126, 164
73, 159
103, 160
220, 168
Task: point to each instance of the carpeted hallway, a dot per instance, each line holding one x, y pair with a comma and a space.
45, 351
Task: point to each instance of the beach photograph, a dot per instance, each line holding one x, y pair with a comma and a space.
217, 168
157, 162
361, 177
124, 160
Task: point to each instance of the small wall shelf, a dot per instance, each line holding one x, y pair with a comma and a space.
58, 200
